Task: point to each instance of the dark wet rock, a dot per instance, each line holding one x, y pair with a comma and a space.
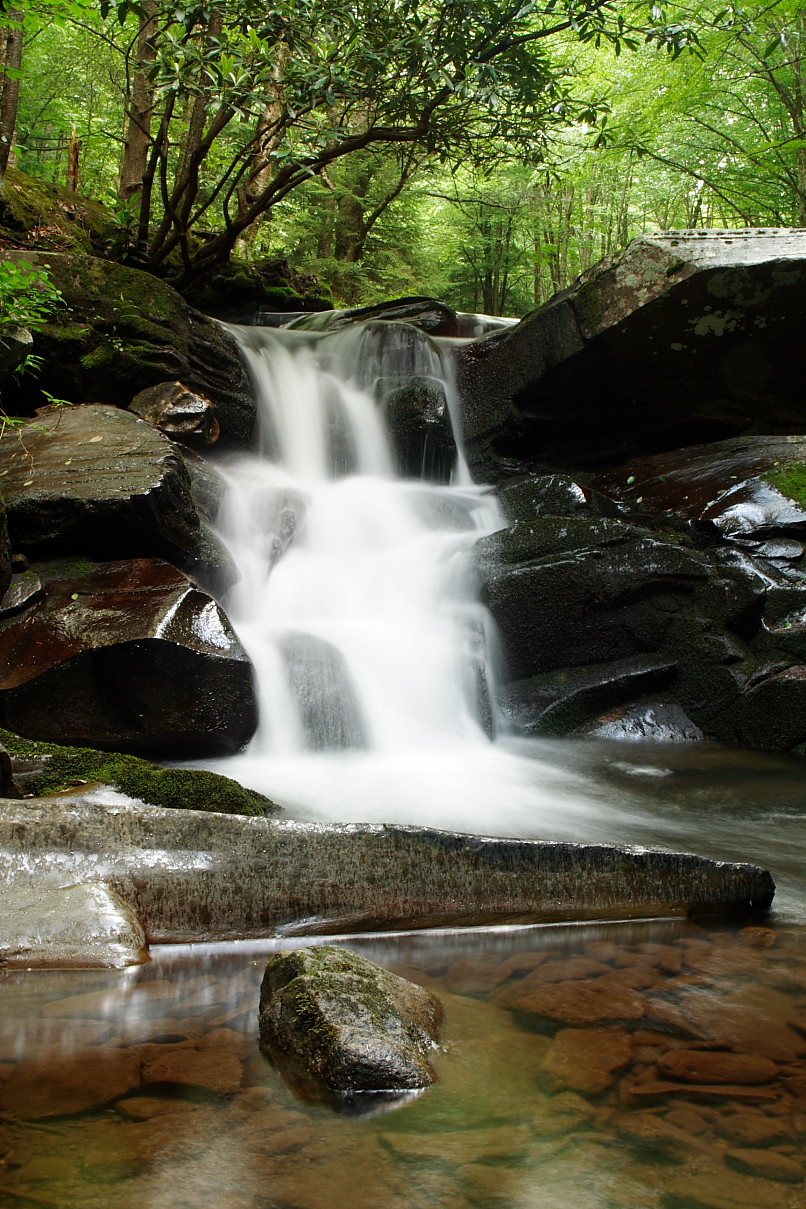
192, 876
559, 702
50, 768
751, 487
87, 924
587, 1060
347, 1024
60, 1084
5, 550
320, 684
543, 495
659, 721
180, 413
122, 330
9, 787
685, 337
99, 482
418, 423
213, 566
17, 343
714, 1066
239, 291
428, 314
772, 713
566, 593
125, 655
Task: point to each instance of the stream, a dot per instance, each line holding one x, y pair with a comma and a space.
636, 1065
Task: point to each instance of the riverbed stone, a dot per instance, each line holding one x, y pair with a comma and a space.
428, 314
714, 1066
97, 482
587, 1060
56, 1085
217, 1070
345, 1023
769, 1164
125, 655
658, 722
122, 330
577, 1003
418, 424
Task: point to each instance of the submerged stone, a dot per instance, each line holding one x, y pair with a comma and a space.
343, 1022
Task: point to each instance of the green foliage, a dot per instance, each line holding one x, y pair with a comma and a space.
28, 297
176, 788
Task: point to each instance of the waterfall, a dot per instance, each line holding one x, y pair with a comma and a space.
356, 599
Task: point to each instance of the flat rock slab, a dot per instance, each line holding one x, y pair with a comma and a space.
686, 336
191, 876
128, 655
87, 924
98, 481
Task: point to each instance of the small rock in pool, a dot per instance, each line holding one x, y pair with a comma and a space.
338, 1022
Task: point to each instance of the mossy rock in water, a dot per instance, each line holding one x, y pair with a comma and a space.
56, 769
790, 481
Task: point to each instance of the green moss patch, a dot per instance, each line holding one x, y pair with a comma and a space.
177, 788
790, 481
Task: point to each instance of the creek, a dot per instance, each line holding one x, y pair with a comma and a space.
375, 667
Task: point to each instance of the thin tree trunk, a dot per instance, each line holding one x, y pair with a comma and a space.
9, 102
73, 161
140, 108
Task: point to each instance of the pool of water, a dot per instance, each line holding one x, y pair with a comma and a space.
640, 1065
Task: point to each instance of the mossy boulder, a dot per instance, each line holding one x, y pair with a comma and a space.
338, 1021
47, 217
121, 330
240, 290
45, 768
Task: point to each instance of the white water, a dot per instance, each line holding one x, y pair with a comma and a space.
356, 601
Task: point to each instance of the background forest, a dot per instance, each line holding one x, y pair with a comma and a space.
475, 150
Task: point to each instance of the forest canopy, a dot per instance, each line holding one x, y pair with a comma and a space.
482, 150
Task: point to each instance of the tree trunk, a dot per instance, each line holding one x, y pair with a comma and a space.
9, 101
73, 161
139, 109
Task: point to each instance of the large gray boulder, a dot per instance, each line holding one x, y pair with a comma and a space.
121, 330
127, 655
336, 1020
685, 337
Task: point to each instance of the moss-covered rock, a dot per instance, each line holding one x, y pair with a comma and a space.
121, 330
345, 1023
47, 217
49, 768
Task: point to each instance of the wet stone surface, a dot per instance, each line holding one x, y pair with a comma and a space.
149, 1087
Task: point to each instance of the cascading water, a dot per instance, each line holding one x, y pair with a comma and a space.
356, 598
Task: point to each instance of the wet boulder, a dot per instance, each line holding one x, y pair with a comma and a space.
341, 1022
121, 330
658, 721
100, 482
428, 314
5, 549
568, 592
685, 337
180, 413
128, 655
418, 425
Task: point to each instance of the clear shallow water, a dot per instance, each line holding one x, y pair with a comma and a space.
146, 1088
